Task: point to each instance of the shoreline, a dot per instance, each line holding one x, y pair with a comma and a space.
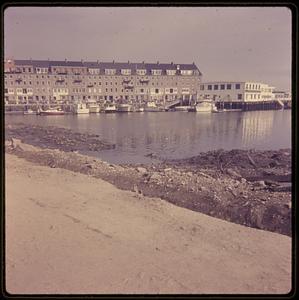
255, 193
72, 233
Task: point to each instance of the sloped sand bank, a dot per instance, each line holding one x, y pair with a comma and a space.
68, 232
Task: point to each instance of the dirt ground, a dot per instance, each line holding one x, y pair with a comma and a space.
68, 232
251, 188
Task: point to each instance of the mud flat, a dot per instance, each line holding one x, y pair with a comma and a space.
250, 188
52, 137
72, 233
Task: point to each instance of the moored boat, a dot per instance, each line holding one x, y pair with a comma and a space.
183, 108
204, 106
152, 107
111, 108
123, 107
94, 108
80, 108
30, 112
52, 112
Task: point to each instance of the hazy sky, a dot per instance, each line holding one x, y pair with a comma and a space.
225, 43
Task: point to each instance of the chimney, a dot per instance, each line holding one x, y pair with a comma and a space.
128, 61
157, 62
113, 61
65, 59
172, 63
143, 62
97, 61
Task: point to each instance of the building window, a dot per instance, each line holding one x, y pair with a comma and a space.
216, 87
186, 72
222, 86
110, 71
141, 71
209, 87
202, 87
156, 72
237, 86
239, 96
125, 71
229, 86
171, 72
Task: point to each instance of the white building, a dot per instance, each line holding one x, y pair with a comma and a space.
236, 91
283, 96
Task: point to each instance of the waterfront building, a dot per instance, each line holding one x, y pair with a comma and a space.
67, 82
281, 95
236, 91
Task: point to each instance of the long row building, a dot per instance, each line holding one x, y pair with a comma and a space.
66, 82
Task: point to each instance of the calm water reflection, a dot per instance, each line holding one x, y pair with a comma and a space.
176, 134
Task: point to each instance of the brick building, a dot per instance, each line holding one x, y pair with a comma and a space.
67, 82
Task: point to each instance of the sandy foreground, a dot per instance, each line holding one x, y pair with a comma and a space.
70, 233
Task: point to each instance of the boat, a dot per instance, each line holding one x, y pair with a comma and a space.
52, 112
123, 107
152, 107
30, 112
80, 108
94, 108
111, 108
204, 106
183, 108
139, 109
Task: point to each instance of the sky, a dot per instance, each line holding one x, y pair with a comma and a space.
226, 43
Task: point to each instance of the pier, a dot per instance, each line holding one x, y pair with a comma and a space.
254, 105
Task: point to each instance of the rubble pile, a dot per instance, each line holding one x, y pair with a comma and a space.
252, 188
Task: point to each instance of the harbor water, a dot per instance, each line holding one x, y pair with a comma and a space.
143, 137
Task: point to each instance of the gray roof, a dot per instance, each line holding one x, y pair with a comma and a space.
108, 65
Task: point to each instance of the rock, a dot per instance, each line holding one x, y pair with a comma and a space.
205, 175
203, 189
243, 180
273, 164
15, 143
260, 183
190, 174
141, 170
233, 173
155, 176
167, 170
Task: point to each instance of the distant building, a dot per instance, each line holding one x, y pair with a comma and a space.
281, 95
236, 91
47, 81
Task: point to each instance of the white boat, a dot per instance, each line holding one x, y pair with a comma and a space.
205, 106
151, 107
122, 107
183, 108
30, 112
111, 108
80, 108
94, 108
52, 112
139, 109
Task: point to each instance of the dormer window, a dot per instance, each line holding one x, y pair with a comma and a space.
156, 72
171, 72
141, 71
110, 71
186, 72
94, 71
125, 71
41, 70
